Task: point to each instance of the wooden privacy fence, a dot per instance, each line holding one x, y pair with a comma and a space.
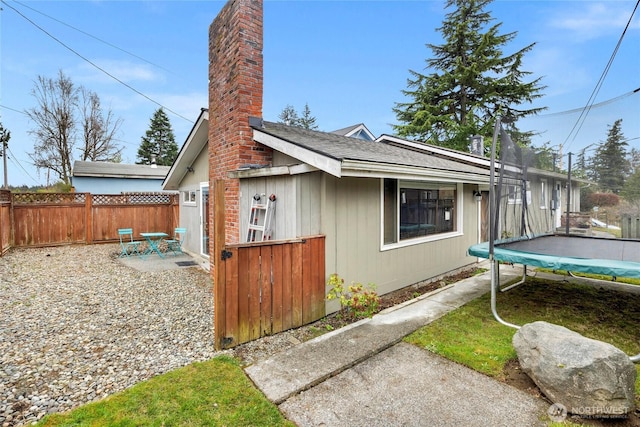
268, 287
5, 221
630, 227
263, 288
46, 219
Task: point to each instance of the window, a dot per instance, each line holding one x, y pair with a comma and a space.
189, 197
543, 194
414, 210
514, 195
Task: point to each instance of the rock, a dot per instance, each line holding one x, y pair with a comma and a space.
588, 377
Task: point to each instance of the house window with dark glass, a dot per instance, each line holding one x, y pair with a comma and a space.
418, 209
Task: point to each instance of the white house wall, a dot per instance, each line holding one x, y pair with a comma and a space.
284, 189
190, 212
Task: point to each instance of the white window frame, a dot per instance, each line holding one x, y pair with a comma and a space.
189, 197
427, 185
514, 194
543, 194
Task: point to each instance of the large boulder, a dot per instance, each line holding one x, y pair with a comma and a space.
589, 377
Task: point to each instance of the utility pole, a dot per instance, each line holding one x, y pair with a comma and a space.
4, 163
5, 136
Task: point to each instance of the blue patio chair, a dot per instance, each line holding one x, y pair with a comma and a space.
175, 244
127, 244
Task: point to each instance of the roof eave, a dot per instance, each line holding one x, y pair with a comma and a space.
188, 153
356, 168
313, 158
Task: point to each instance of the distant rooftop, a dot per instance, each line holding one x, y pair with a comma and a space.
118, 170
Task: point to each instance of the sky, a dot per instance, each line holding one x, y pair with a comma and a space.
348, 60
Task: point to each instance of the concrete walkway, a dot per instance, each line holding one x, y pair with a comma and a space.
362, 375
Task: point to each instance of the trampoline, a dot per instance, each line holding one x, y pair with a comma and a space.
594, 255
567, 252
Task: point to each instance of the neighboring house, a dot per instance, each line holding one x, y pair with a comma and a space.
189, 174
116, 178
359, 131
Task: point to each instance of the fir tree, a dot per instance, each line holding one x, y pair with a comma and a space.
610, 166
306, 120
471, 81
289, 116
158, 142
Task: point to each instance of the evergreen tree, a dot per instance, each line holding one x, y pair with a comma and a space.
306, 120
158, 142
631, 191
470, 83
610, 166
288, 116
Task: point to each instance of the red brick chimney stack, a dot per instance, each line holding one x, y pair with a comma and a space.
235, 94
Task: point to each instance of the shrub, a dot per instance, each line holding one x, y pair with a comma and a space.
356, 301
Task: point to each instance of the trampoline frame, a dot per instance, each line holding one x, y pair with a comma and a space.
614, 267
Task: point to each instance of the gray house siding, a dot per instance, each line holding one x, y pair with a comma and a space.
190, 217
355, 252
348, 212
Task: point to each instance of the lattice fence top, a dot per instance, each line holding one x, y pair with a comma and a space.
97, 199
133, 199
48, 198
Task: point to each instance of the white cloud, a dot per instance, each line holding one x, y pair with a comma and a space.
589, 20
124, 71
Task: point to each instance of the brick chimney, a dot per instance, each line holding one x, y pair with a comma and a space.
235, 94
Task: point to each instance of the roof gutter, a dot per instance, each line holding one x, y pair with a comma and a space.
355, 168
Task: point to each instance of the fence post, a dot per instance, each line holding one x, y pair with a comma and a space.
88, 218
217, 266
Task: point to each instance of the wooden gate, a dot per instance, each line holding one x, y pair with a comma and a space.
264, 288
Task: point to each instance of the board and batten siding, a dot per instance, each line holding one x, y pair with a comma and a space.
347, 212
190, 212
353, 231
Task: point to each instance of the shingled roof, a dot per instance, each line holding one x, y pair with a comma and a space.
118, 170
343, 149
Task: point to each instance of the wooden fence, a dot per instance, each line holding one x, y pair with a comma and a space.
264, 288
630, 227
269, 287
48, 219
5, 221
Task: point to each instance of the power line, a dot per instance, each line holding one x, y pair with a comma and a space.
95, 65
13, 109
596, 90
597, 105
15, 161
94, 37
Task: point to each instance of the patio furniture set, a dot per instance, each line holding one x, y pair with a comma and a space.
154, 242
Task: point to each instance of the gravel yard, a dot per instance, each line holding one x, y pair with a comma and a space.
77, 325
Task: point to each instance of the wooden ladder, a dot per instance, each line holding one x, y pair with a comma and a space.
261, 216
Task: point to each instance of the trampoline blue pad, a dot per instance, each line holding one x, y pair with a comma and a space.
594, 255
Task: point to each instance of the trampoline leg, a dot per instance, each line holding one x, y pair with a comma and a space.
495, 280
635, 359
524, 277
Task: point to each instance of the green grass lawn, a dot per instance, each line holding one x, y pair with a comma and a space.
471, 336
212, 393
